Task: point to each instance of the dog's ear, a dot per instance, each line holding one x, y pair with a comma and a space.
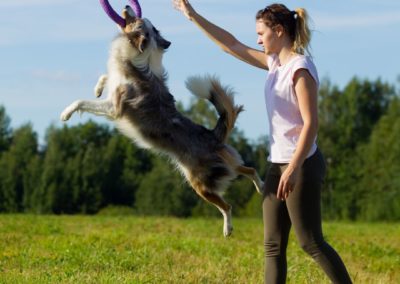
138, 40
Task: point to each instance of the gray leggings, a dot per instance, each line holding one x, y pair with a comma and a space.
302, 209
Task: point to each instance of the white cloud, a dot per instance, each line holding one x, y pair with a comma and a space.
365, 20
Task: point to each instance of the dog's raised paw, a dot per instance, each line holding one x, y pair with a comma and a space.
98, 92
69, 110
66, 114
98, 89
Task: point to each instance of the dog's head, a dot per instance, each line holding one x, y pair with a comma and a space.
141, 33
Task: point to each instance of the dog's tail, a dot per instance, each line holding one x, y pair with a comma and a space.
209, 87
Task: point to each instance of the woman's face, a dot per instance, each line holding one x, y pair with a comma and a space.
267, 38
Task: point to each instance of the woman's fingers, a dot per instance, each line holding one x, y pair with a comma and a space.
284, 189
180, 5
183, 6
281, 190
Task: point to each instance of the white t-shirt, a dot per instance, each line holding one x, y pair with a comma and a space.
285, 121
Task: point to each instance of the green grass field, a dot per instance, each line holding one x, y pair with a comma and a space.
106, 249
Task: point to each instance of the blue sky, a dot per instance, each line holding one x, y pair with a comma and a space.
52, 51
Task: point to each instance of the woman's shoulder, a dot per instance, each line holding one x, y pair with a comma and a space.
305, 62
301, 58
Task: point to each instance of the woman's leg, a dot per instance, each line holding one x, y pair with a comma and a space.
305, 214
276, 230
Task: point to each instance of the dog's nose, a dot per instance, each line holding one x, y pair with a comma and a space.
127, 7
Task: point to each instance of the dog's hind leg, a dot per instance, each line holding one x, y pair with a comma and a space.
252, 174
98, 89
221, 204
232, 158
103, 108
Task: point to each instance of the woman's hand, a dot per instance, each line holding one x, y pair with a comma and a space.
185, 7
287, 182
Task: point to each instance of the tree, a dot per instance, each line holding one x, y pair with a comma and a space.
73, 169
346, 121
163, 191
55, 194
379, 187
346, 118
5, 130
31, 184
125, 165
202, 112
87, 190
15, 164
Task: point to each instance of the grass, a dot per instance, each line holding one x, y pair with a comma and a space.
112, 249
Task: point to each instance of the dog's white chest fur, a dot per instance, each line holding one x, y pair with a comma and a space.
115, 78
127, 128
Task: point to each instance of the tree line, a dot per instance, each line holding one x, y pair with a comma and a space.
90, 168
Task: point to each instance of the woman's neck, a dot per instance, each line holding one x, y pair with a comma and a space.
285, 55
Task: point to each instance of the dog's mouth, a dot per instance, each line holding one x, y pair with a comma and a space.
138, 37
143, 42
135, 29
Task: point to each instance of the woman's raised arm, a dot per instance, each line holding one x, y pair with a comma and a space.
223, 38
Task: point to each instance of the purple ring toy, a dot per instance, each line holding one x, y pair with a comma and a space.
115, 16
136, 8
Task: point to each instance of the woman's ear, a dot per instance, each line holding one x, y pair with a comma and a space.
279, 30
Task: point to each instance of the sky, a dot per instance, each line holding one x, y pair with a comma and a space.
53, 51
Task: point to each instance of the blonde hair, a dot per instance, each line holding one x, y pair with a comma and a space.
303, 34
295, 24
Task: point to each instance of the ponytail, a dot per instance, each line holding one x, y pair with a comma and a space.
302, 32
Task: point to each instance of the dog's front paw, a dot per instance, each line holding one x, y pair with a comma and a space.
98, 89
68, 111
65, 115
98, 92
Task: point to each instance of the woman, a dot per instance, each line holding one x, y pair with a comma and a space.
293, 182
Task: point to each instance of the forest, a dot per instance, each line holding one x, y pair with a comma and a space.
90, 168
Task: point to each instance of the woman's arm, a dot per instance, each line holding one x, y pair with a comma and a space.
306, 90
222, 38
